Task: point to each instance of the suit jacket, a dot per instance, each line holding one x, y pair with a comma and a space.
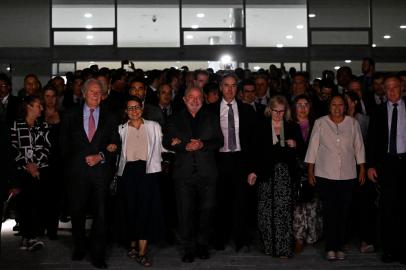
9, 115
75, 145
269, 154
153, 113
248, 124
377, 136
203, 161
7, 164
151, 96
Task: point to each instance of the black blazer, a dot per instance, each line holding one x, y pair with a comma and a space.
153, 113
209, 131
269, 154
12, 109
377, 136
75, 145
248, 125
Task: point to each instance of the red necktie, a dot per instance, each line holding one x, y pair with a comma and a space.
92, 126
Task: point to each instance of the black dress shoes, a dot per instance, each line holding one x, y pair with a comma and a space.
99, 264
78, 255
188, 257
203, 252
388, 258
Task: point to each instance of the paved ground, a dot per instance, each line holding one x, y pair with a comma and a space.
56, 256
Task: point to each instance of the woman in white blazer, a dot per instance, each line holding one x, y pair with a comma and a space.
140, 167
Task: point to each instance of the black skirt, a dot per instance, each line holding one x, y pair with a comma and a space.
143, 202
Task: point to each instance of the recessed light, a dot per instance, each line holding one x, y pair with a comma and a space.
189, 37
194, 26
373, 45
8, 68
88, 26
403, 27
348, 61
300, 26
200, 15
386, 36
257, 67
226, 59
89, 37
337, 67
88, 15
91, 62
289, 37
312, 15
279, 45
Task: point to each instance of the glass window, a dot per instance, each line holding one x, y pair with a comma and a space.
67, 14
340, 37
219, 14
151, 25
83, 38
272, 24
317, 67
389, 24
212, 38
339, 13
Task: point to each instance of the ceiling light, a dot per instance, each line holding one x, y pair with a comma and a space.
257, 67
403, 27
200, 15
337, 67
348, 61
88, 15
373, 45
225, 59
300, 26
289, 37
386, 36
194, 26
89, 37
189, 36
312, 15
88, 26
279, 45
8, 68
91, 62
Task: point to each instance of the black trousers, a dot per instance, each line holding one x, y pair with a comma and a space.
195, 199
393, 204
32, 203
336, 196
89, 191
231, 208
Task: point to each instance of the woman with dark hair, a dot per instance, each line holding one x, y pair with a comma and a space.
54, 188
30, 139
355, 110
274, 168
307, 222
140, 165
335, 149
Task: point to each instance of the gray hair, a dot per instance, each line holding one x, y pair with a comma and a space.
281, 100
188, 90
90, 81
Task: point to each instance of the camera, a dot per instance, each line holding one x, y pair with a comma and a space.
154, 18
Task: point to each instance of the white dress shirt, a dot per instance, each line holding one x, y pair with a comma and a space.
224, 124
336, 149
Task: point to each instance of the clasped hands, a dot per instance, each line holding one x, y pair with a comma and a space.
193, 145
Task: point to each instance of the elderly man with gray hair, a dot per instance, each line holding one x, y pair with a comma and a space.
86, 133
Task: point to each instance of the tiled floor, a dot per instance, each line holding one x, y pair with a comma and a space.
56, 256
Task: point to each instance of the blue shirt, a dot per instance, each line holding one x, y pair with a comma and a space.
401, 125
86, 116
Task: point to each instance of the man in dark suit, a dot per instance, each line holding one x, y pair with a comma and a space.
86, 133
376, 96
386, 157
8, 102
150, 112
155, 78
194, 134
238, 124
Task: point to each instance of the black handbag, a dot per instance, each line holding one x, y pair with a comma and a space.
304, 191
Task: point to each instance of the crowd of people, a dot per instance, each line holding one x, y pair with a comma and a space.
205, 160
